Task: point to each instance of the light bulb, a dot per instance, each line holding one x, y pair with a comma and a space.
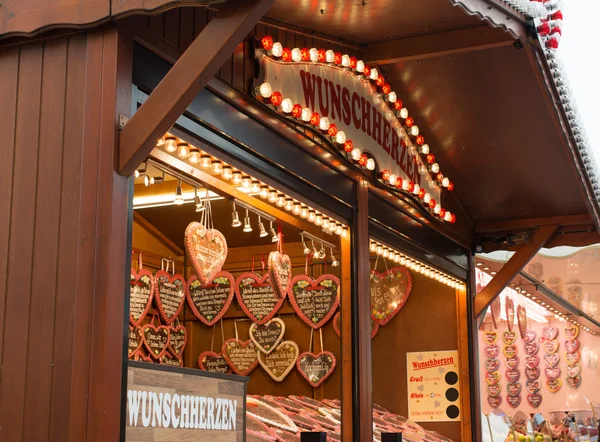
265, 90
272, 196
247, 226
216, 166
392, 97
345, 60
393, 179
371, 164
280, 200
183, 150
205, 161
226, 173
373, 247
417, 189
261, 228
311, 216
146, 180
306, 114
264, 192
427, 198
236, 178
424, 149
178, 195
289, 204
344, 233
403, 113
379, 250
360, 66
332, 227
374, 74
329, 56
304, 212
340, 137
385, 253
445, 182
314, 55
437, 208
170, 144
287, 105
296, 55
355, 154
255, 187
326, 223
414, 131
296, 209
319, 220
435, 167
277, 50
324, 123
246, 183
161, 142
194, 157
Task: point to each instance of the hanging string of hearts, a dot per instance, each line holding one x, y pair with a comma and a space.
141, 292
316, 367
212, 361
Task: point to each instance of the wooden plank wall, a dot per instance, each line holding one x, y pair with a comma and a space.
63, 236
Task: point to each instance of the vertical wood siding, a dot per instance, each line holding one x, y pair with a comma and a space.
63, 216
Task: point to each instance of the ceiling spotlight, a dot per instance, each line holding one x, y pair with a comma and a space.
322, 252
261, 228
316, 253
198, 201
334, 261
306, 248
235, 218
147, 180
141, 171
247, 226
178, 195
273, 233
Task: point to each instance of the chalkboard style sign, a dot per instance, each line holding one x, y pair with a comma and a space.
171, 403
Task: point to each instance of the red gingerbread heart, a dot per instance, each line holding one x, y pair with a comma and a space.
280, 272
550, 333
491, 365
513, 401
531, 348
494, 401
257, 297
513, 375
213, 362
210, 302
316, 367
532, 361
513, 389
156, 339
177, 340
551, 359
534, 399
572, 346
574, 382
207, 250
389, 292
530, 335
241, 356
492, 351
512, 362
532, 373
533, 386
169, 294
572, 358
315, 300
494, 389
552, 373
141, 292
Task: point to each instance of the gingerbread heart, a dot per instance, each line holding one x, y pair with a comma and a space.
574, 382
572, 358
551, 359
533, 386
141, 356
389, 292
510, 351
492, 365
316, 368
512, 362
552, 373
492, 378
513, 375
572, 346
168, 359
209, 302
531, 348
141, 292
280, 272
213, 362
551, 346
513, 401
257, 297
169, 294
573, 370
280, 361
178, 340
531, 361
315, 300
572, 332
135, 340
156, 339
510, 313
492, 351
509, 337
336, 326
240, 355
522, 320
532, 373
490, 338
207, 250
495, 308
494, 389
494, 401
550, 333
530, 335
267, 336
513, 389
534, 399
553, 385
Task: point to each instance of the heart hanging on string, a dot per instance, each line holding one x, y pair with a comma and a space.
169, 294
135, 340
141, 293
207, 250
315, 300
209, 302
240, 355
281, 361
213, 362
280, 271
267, 336
389, 292
510, 313
316, 367
257, 297
177, 340
156, 339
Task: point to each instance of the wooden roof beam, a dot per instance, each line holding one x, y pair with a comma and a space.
198, 64
436, 45
512, 268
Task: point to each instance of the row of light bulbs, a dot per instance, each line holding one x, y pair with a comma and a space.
563, 317
250, 185
386, 252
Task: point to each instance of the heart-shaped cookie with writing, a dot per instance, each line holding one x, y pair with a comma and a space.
550, 333
495, 308
494, 401
169, 295
168, 359
267, 336
551, 359
512, 375
510, 351
177, 340
572, 332
135, 340
492, 351
573, 370
532, 361
572, 346
509, 337
280, 361
532, 373
534, 399
240, 355
551, 346
512, 362
552, 373
492, 378
574, 382
315, 300
530, 335
209, 302
533, 386
336, 326
492, 365
280, 272
531, 348
207, 250
513, 401
494, 389
522, 320
490, 338
213, 362
553, 385
389, 292
513, 389
156, 339
316, 367
141, 292
510, 313
257, 297
572, 358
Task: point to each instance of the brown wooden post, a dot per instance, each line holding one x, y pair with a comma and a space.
346, 336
